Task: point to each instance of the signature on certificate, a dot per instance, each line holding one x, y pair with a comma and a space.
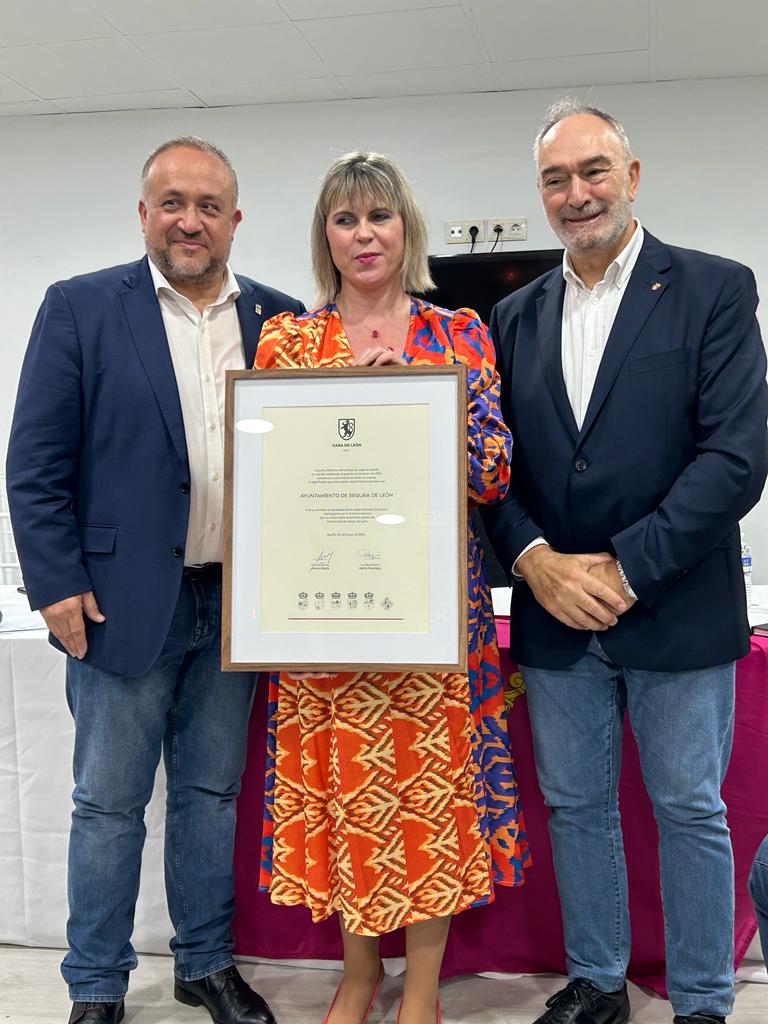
366, 555
322, 561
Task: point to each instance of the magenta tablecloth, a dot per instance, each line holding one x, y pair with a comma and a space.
520, 931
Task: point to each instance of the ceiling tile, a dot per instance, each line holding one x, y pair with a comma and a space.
560, 28
12, 92
562, 72
81, 69
25, 108
289, 91
49, 21
155, 100
421, 82
134, 16
728, 41
231, 57
363, 45
303, 9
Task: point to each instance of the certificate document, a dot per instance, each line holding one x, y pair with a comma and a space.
354, 510
345, 519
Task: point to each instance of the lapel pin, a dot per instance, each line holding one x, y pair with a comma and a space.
257, 307
655, 286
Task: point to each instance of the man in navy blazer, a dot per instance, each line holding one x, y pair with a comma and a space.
633, 380
115, 482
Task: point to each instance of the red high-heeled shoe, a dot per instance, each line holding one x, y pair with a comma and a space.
372, 1000
397, 1021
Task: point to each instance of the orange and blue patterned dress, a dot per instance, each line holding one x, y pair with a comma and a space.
392, 798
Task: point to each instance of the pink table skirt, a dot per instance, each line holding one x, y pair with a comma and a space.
521, 931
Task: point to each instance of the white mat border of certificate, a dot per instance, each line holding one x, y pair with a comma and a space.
443, 647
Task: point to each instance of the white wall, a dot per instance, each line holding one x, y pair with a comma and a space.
69, 184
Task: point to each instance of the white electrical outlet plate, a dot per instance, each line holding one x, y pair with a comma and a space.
457, 231
514, 229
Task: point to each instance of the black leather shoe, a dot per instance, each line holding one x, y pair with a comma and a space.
697, 1018
97, 1013
226, 997
581, 1003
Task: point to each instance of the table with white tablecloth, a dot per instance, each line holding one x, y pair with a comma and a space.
36, 739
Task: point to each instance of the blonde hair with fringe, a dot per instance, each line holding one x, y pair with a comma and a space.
373, 178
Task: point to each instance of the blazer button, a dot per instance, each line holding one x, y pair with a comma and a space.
580, 465
177, 552
184, 487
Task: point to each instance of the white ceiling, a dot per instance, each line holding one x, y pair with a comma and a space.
62, 56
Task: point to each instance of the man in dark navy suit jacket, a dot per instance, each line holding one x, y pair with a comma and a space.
115, 480
633, 380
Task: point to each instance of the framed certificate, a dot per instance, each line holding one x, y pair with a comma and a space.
346, 519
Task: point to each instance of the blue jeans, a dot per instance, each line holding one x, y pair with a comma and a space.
197, 715
683, 724
758, 888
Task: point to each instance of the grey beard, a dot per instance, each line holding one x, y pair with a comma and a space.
620, 217
183, 271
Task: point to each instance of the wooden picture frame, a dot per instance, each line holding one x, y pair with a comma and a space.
346, 520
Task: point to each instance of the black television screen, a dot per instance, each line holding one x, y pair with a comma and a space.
480, 280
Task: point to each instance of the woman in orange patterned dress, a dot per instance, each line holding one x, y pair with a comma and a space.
391, 798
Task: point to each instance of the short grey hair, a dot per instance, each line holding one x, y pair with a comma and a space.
567, 106
374, 178
190, 142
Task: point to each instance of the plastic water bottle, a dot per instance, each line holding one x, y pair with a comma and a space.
746, 565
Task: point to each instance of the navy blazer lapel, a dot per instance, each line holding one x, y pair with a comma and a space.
647, 283
549, 330
145, 321
251, 317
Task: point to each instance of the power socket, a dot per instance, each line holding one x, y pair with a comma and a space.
457, 231
513, 230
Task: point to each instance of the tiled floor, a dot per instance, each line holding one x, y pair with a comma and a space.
31, 992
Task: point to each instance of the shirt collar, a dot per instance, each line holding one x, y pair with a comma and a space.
230, 289
619, 270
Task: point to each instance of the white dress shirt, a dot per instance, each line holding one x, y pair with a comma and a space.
588, 316
203, 346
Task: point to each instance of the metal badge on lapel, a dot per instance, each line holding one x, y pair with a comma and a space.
257, 308
655, 286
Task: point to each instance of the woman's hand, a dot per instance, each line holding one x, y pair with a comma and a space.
379, 355
301, 676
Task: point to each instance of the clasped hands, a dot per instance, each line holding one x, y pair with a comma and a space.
582, 591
